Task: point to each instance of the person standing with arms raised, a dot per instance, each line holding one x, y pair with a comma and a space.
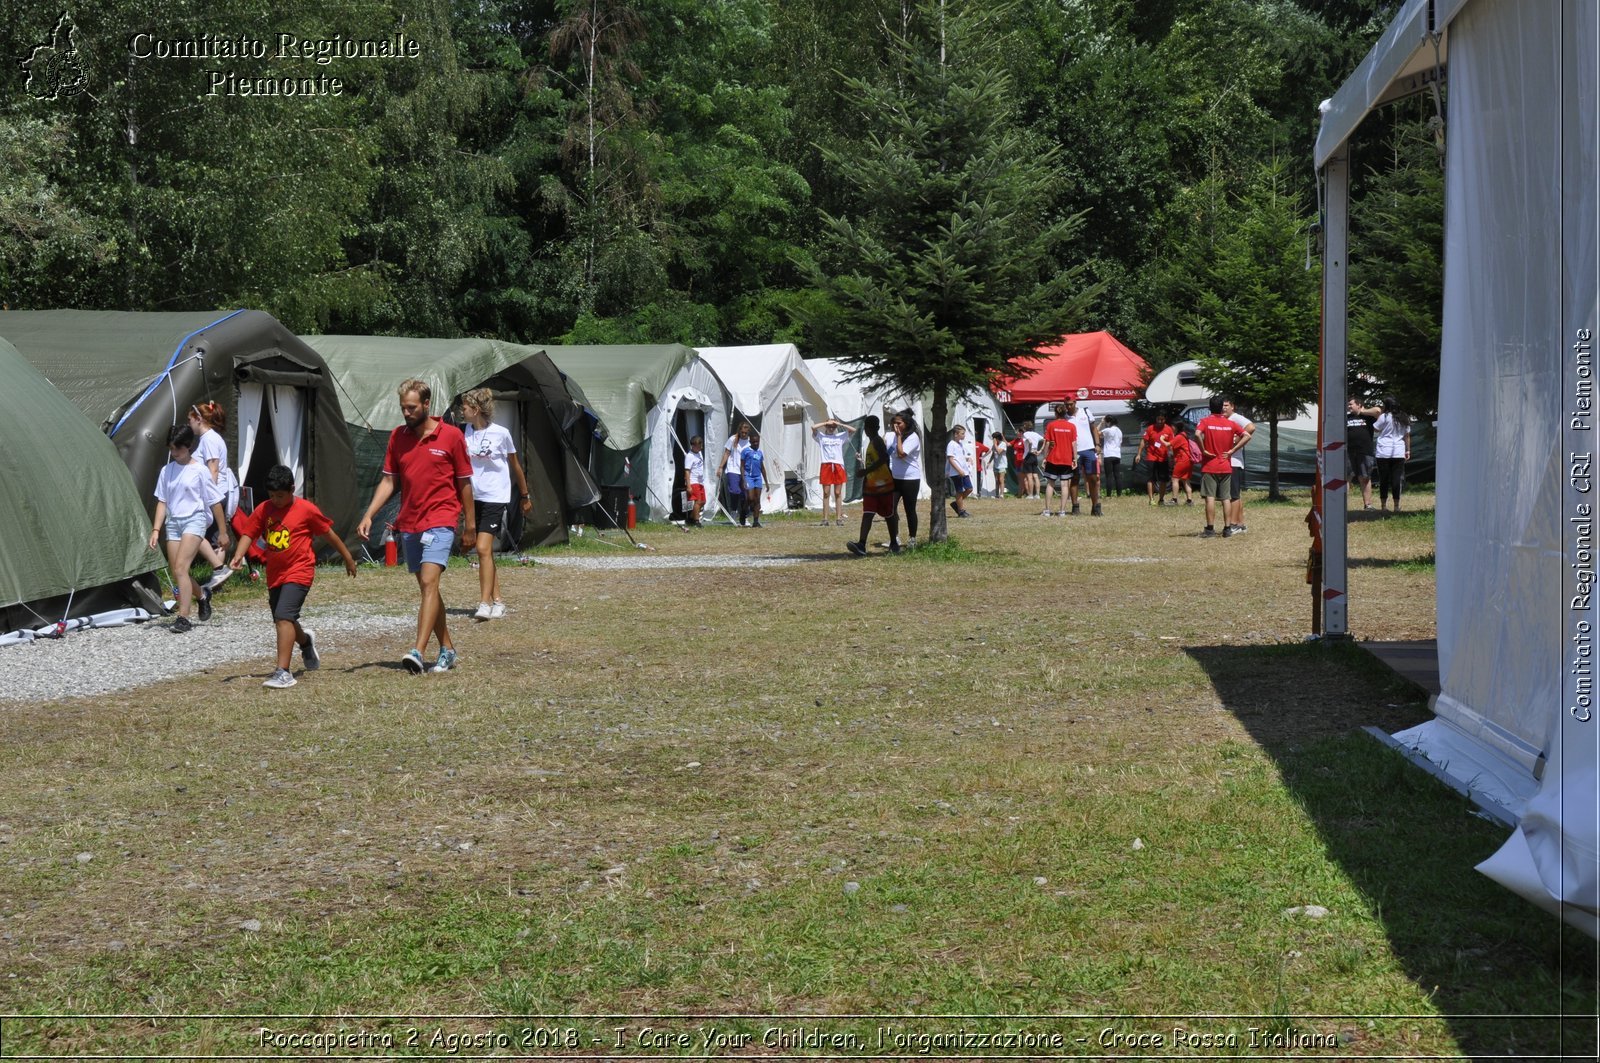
427, 462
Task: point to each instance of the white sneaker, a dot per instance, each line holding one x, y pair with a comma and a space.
218, 578
497, 610
485, 611
280, 679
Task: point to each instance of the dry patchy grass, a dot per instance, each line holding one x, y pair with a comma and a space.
646, 790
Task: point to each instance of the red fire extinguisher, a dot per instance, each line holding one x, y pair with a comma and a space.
633, 514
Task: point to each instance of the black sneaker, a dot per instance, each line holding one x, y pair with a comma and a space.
1095, 512
181, 625
204, 605
755, 524
1208, 533
895, 548
1074, 509
308, 651
855, 548
1227, 533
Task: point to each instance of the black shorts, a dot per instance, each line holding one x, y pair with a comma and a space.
1161, 471
490, 517
1362, 463
1237, 485
286, 600
1054, 472
1030, 464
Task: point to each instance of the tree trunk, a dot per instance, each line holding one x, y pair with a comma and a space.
934, 434
1273, 493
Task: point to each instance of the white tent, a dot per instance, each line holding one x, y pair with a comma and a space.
1516, 722
771, 386
848, 400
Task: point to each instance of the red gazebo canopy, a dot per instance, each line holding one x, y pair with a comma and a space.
1088, 365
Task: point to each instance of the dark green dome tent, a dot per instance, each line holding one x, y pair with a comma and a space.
546, 415
137, 374
73, 532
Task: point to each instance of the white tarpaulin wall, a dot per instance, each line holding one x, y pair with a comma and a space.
695, 388
771, 385
1516, 497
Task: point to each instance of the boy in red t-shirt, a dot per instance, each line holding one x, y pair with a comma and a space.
288, 525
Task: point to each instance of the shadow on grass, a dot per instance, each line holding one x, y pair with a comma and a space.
1499, 970
1405, 564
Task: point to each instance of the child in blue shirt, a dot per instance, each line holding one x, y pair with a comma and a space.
751, 465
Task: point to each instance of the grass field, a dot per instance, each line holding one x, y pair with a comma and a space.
1064, 773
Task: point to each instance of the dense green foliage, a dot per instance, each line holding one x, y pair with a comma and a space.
632, 170
949, 266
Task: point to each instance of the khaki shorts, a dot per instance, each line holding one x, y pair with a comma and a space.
1215, 484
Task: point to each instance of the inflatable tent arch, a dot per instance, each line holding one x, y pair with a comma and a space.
137, 374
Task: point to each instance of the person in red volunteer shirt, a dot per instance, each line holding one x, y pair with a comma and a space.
427, 461
1153, 448
1219, 438
287, 525
1060, 457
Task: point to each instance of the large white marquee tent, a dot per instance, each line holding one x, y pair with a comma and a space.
774, 390
1516, 721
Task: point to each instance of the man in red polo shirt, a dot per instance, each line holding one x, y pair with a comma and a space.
427, 461
1219, 438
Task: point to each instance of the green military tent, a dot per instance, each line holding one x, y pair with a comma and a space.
652, 399
73, 532
137, 374
532, 400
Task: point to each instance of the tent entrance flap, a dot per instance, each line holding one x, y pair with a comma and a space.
272, 431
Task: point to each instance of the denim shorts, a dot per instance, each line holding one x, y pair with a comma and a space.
431, 547
194, 524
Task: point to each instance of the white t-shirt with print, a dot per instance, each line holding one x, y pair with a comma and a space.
832, 442
490, 449
694, 467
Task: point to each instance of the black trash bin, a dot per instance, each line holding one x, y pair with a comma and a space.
612, 509
795, 489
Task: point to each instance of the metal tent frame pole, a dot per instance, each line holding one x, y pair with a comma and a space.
1332, 463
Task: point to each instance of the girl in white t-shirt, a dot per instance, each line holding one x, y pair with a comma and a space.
1111, 455
186, 502
997, 462
694, 478
831, 436
1393, 428
905, 463
207, 419
493, 454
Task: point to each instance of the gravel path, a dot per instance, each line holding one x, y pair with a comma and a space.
102, 660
